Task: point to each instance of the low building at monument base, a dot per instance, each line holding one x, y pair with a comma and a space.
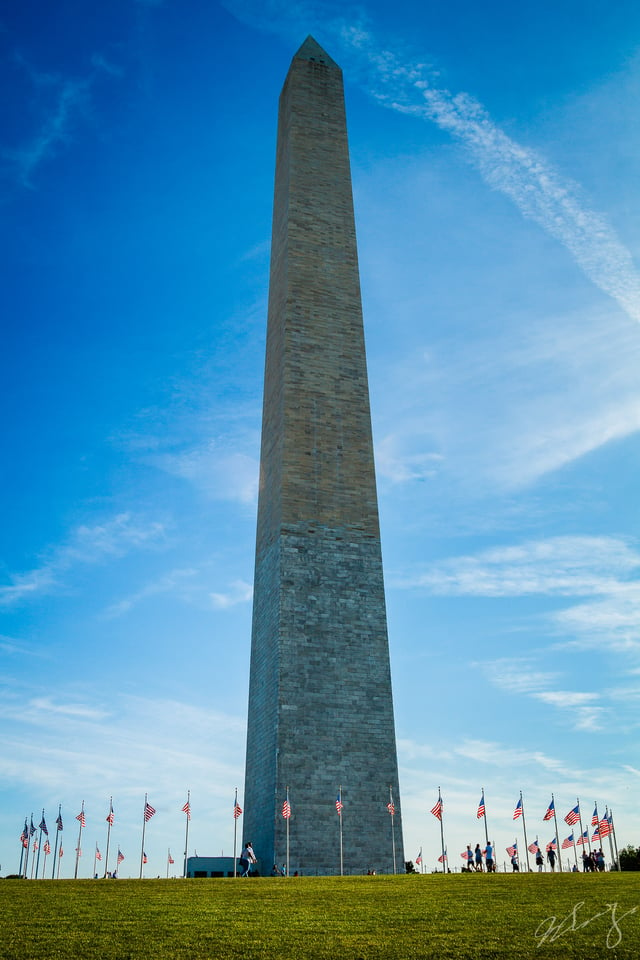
211, 867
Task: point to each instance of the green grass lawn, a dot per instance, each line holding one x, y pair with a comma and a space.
337, 918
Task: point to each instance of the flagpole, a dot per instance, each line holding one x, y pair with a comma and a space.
39, 844
615, 842
144, 825
58, 829
59, 864
22, 839
340, 830
524, 830
78, 848
444, 853
486, 828
29, 835
555, 820
109, 821
235, 834
392, 811
186, 837
581, 827
609, 832
288, 818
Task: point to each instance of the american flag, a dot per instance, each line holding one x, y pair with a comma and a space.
480, 812
518, 810
442, 857
145, 859
148, 811
533, 847
110, 816
47, 847
596, 834
35, 845
605, 827
583, 839
550, 810
286, 809
79, 851
81, 818
573, 816
59, 821
120, 856
43, 826
98, 854
187, 809
170, 858
568, 842
437, 809
24, 836
61, 851
339, 804
32, 829
391, 807
419, 857
594, 818
237, 810
512, 851
465, 856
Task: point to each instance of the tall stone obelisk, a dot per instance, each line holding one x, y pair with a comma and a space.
320, 703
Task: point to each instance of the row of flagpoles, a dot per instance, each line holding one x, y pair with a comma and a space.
604, 827
29, 830
148, 812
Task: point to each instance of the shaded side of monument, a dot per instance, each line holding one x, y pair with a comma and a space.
320, 701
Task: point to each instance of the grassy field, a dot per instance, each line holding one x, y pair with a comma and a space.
337, 918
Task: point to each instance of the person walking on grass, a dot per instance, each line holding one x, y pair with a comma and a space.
247, 857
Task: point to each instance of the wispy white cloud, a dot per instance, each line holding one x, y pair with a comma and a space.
612, 622
239, 592
520, 677
215, 468
17, 648
397, 465
541, 193
60, 102
603, 569
172, 582
559, 566
86, 545
44, 707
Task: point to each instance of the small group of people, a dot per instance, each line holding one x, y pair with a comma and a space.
551, 859
476, 857
593, 862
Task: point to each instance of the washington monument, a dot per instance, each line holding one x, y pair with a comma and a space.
320, 722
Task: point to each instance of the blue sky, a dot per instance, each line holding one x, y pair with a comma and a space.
494, 153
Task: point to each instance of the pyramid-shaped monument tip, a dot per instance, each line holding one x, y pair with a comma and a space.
311, 50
